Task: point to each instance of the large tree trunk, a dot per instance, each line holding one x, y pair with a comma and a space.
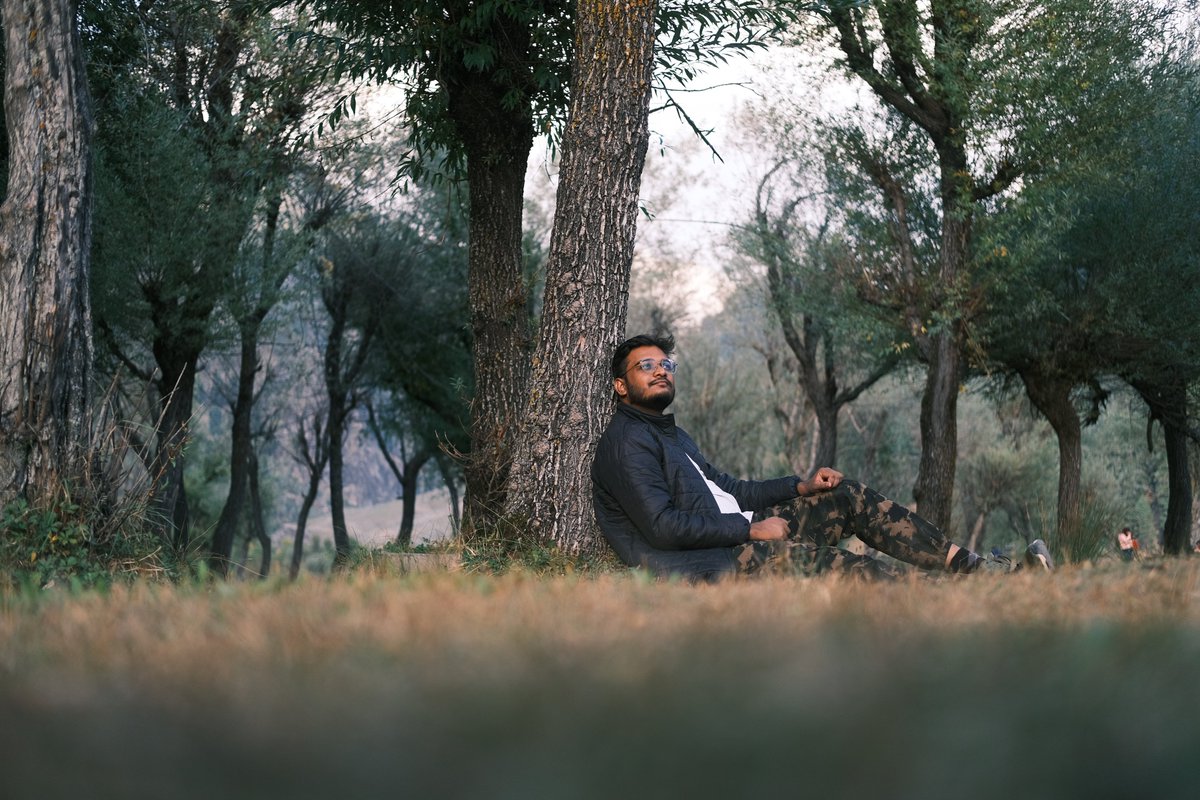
827, 435
1052, 397
497, 142
587, 273
45, 253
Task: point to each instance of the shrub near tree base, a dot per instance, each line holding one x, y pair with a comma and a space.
65, 541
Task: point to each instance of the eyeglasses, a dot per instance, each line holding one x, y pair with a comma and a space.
649, 364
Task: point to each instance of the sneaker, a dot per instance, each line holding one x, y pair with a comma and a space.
1037, 556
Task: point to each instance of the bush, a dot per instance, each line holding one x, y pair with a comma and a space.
75, 543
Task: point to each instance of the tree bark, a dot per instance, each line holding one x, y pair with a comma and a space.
176, 386
1052, 397
451, 482
258, 518
497, 142
241, 449
1169, 405
45, 253
408, 484
934, 487
587, 272
315, 456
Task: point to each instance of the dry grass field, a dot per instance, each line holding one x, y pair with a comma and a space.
1085, 683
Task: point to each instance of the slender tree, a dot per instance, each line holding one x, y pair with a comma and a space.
259, 285
803, 283
311, 451
348, 273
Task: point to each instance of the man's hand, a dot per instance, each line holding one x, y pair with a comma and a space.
823, 480
771, 529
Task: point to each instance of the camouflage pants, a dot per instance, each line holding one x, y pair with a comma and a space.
818, 522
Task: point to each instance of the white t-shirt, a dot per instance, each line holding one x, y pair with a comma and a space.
726, 502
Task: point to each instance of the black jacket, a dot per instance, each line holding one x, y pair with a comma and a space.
655, 509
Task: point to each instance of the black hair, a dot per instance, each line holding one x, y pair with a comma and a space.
665, 342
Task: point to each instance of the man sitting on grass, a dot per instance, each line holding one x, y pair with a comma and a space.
662, 506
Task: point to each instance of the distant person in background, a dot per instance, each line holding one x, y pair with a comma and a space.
662, 506
1125, 544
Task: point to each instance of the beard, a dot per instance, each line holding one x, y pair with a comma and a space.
656, 396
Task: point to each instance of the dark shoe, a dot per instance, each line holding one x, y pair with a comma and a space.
1037, 556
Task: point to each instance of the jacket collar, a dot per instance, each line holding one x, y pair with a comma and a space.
665, 422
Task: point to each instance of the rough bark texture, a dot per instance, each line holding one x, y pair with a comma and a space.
934, 487
497, 142
587, 273
1052, 397
45, 252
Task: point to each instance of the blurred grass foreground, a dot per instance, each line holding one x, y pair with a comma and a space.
1085, 683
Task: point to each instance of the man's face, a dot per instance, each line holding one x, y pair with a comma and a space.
648, 390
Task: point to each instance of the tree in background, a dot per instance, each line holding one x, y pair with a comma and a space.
197, 121
270, 252
45, 254
985, 93
1089, 265
420, 366
480, 79
804, 258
